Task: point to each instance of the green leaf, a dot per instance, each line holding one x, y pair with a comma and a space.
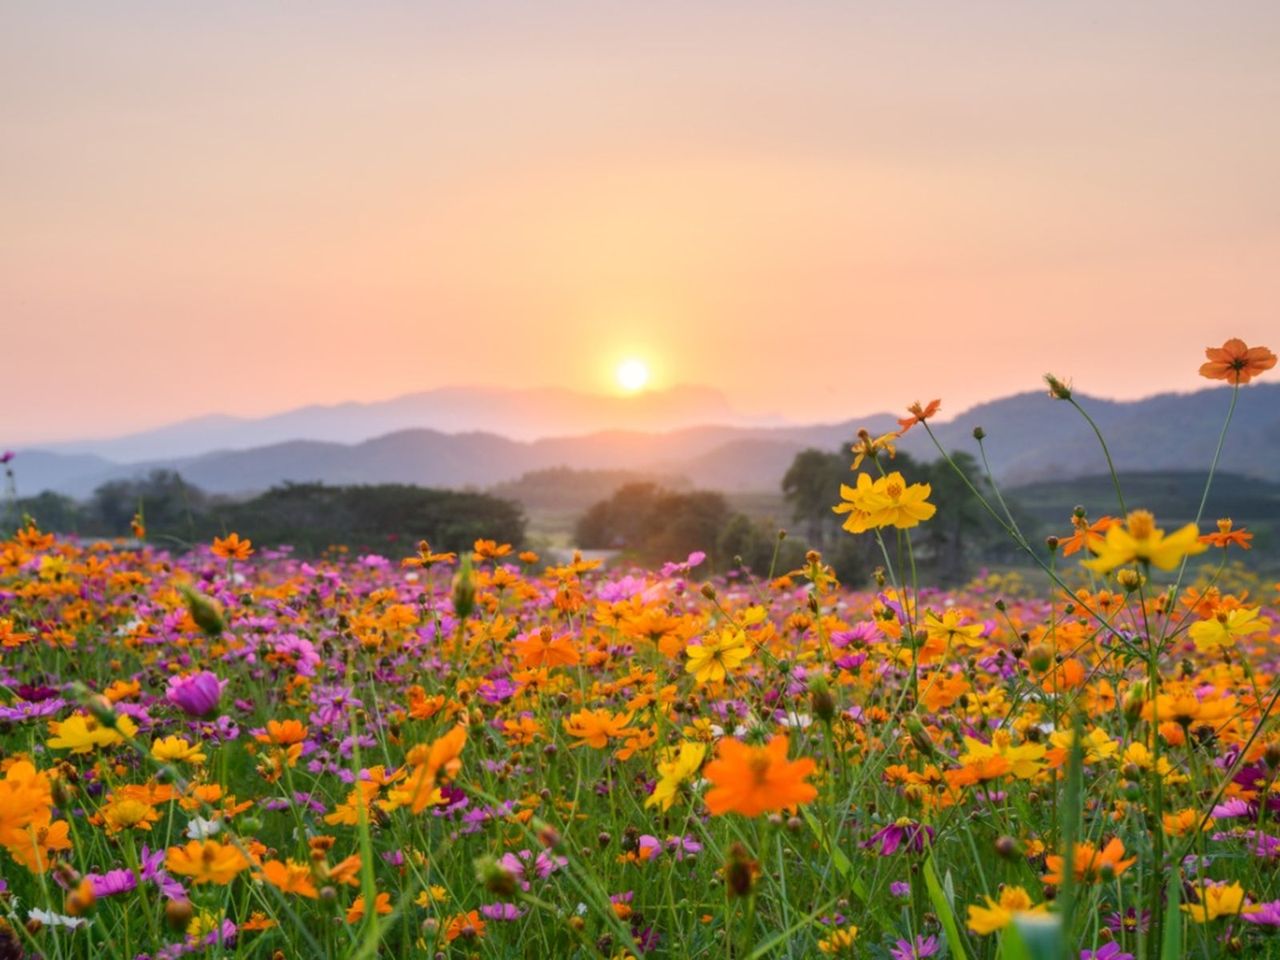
1171, 946
945, 913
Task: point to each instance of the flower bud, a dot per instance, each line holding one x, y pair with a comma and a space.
495, 878
740, 871
178, 914
1057, 389
1008, 848
464, 589
1040, 658
821, 700
204, 610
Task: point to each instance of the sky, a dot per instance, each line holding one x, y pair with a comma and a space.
821, 208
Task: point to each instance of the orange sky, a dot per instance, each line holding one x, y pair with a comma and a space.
823, 209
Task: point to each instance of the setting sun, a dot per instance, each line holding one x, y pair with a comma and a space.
632, 375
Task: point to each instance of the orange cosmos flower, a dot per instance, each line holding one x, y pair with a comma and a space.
1087, 534
490, 550
1227, 536
1090, 865
10, 637
232, 548
283, 733
919, 414
206, 861
381, 905
756, 780
426, 558
469, 925
594, 727
1236, 362
291, 877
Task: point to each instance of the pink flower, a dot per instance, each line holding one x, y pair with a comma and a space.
196, 694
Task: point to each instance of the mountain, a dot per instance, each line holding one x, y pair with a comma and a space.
517, 414
1029, 438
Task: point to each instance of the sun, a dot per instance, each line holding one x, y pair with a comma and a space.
632, 375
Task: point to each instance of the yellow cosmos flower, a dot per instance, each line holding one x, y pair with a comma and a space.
1139, 540
714, 657
948, 630
176, 750
1223, 900
887, 502
676, 766
998, 914
1222, 631
81, 733
1024, 761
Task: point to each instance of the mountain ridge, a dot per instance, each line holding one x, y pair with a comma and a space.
1029, 437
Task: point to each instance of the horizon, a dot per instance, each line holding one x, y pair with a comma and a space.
241, 211
740, 421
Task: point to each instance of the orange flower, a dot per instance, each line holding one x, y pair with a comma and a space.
283, 733
919, 414
232, 548
594, 727
756, 780
490, 550
291, 877
1087, 534
1235, 362
1226, 536
381, 905
426, 558
539, 649
206, 861
9, 637
1090, 865
469, 925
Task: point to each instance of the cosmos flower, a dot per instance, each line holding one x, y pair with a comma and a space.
755, 780
1236, 362
1138, 540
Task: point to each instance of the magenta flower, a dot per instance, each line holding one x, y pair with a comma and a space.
197, 694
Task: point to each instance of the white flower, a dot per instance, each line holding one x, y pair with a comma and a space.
797, 721
201, 829
56, 919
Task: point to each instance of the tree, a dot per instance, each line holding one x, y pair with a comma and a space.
652, 524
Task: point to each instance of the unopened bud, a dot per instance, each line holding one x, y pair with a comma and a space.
821, 700
464, 589
204, 610
178, 914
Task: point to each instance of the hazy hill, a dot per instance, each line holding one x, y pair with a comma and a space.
517, 414
1029, 437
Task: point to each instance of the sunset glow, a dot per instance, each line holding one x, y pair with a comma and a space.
775, 186
632, 375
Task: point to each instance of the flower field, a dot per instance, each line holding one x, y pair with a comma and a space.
232, 751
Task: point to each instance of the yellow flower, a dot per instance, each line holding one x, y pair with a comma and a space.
1097, 745
998, 914
1024, 761
1222, 631
948, 630
840, 941
84, 734
176, 750
714, 657
1222, 900
1138, 539
886, 502
675, 768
